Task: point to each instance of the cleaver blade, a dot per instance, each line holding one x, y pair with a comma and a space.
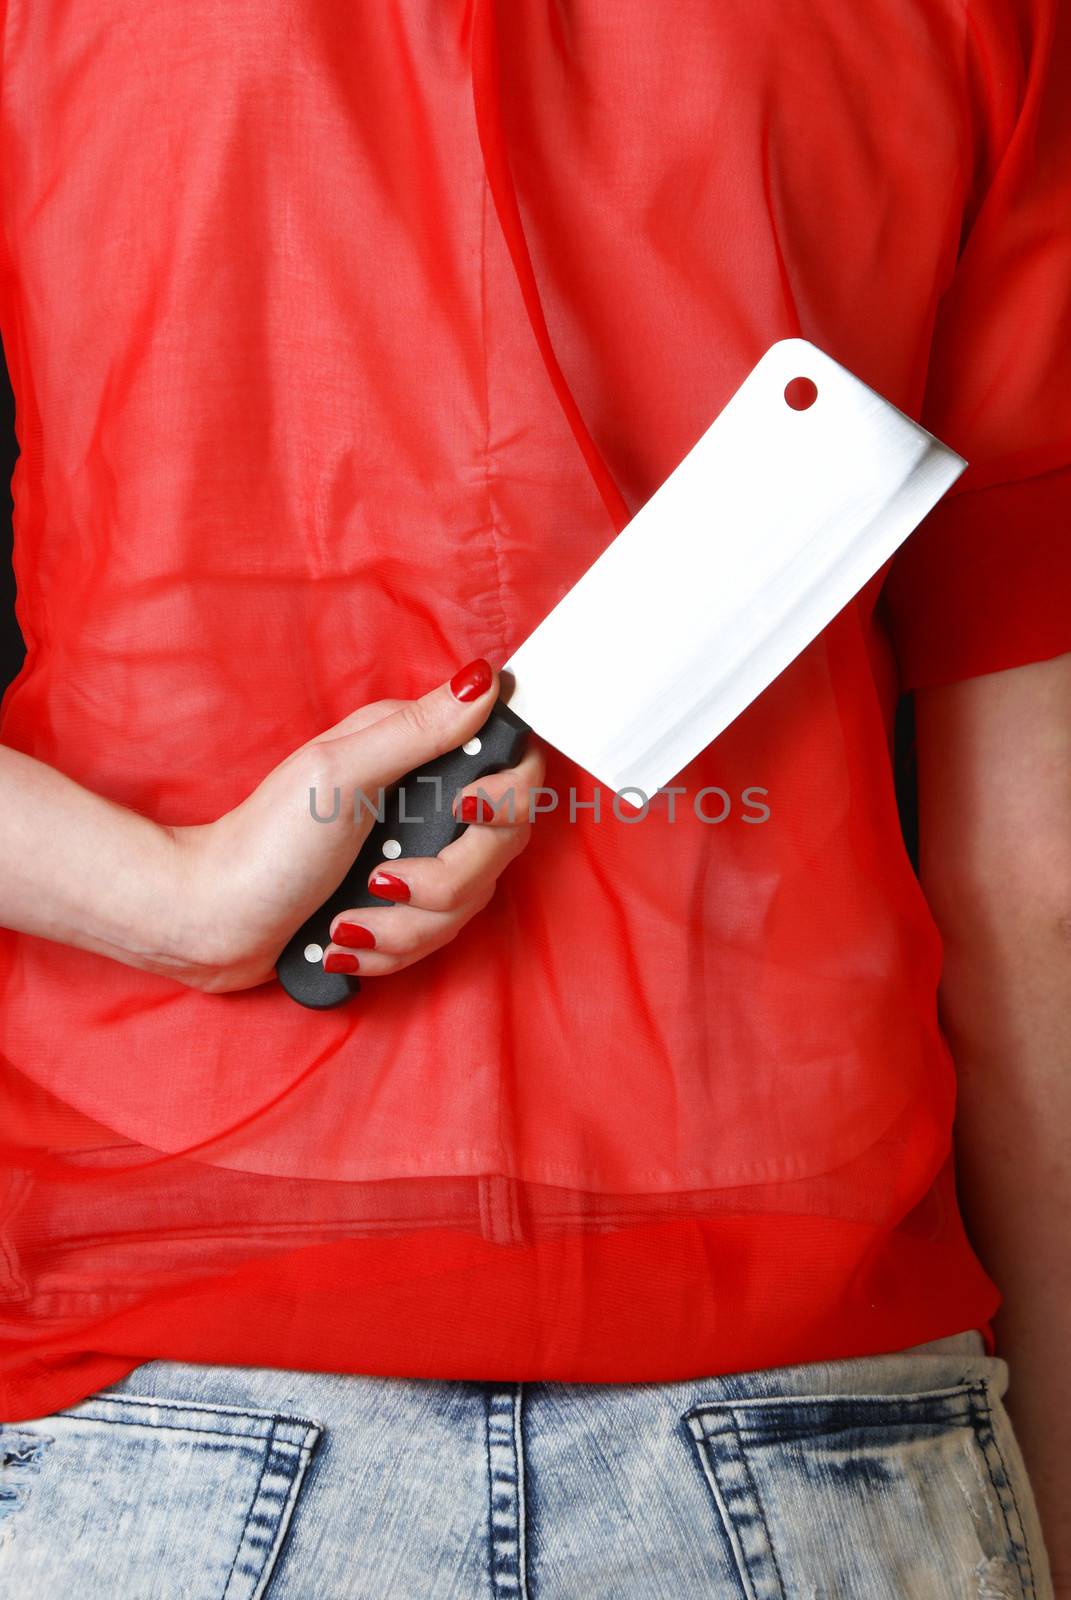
775, 518
764, 531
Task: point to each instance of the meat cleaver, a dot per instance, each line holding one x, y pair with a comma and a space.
794, 497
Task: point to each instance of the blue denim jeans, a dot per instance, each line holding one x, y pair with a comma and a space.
876, 1478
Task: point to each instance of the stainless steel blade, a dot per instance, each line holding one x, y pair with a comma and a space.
764, 531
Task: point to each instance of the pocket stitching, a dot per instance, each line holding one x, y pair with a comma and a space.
760, 1508
166, 1427
986, 1434
272, 1505
269, 1446
892, 1399
118, 1397
721, 1491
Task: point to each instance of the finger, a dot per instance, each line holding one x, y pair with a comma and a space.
504, 798
363, 717
378, 941
418, 731
459, 873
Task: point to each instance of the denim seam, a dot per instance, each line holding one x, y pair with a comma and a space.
287, 1506
847, 1419
703, 1455
726, 1440
786, 1437
490, 1494
522, 1495
269, 1447
891, 1399
985, 1416
504, 1435
172, 1427
746, 1464
119, 1398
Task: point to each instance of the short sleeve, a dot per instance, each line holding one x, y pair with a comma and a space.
984, 583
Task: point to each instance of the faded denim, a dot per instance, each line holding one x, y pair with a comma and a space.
891, 1477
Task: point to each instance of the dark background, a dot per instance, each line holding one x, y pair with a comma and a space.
11, 646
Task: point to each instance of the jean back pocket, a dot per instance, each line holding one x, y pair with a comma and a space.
139, 1497
885, 1496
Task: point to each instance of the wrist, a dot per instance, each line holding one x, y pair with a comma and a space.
181, 938
146, 919
84, 870
162, 915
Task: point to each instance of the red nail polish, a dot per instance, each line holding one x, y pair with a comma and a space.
474, 808
470, 682
388, 887
339, 961
353, 934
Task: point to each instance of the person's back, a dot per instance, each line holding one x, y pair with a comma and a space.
342, 340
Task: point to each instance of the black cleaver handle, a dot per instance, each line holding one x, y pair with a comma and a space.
418, 818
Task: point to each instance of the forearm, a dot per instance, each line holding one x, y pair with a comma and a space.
78, 868
212, 904
1006, 1001
994, 766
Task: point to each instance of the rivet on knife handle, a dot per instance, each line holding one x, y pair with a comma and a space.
417, 821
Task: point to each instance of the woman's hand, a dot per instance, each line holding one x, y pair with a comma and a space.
247, 881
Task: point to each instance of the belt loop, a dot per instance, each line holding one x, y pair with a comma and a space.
500, 1216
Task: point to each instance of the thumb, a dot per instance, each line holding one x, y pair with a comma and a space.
419, 730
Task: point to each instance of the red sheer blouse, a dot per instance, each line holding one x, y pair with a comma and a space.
342, 339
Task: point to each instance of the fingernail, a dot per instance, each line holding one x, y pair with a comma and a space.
473, 808
470, 682
352, 933
388, 887
339, 961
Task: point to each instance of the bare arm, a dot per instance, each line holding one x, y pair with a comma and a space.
994, 756
78, 868
212, 904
